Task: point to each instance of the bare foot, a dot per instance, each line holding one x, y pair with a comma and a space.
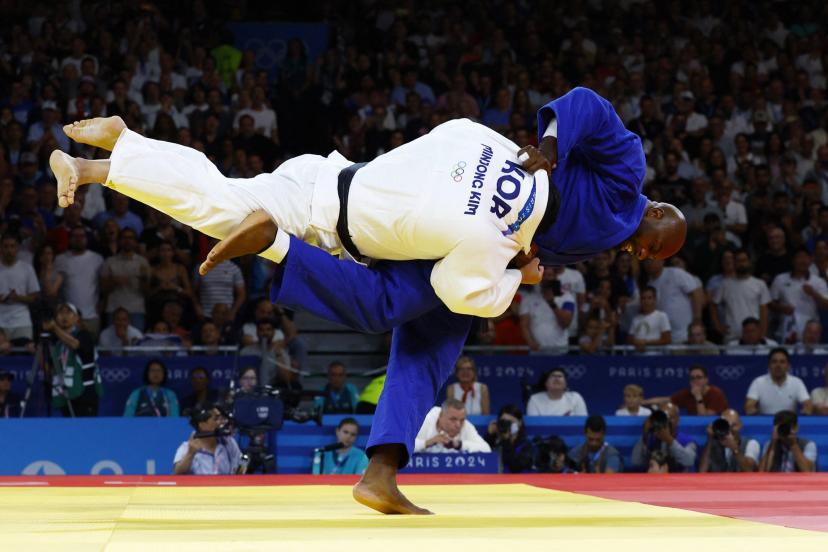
255, 234
378, 487
67, 173
101, 132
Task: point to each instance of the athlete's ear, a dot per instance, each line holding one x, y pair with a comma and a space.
655, 212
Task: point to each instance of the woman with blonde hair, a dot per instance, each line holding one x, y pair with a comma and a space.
472, 393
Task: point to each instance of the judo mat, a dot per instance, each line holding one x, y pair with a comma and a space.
751, 512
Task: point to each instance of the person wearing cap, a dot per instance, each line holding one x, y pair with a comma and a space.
207, 455
19, 288
76, 378
9, 400
49, 122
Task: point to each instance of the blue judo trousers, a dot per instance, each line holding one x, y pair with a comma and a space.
599, 176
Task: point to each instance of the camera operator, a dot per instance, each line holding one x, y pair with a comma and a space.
660, 432
76, 379
550, 456
595, 455
726, 450
507, 434
786, 451
212, 454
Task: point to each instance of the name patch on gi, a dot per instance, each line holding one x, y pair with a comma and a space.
477, 180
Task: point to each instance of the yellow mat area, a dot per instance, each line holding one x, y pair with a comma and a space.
469, 517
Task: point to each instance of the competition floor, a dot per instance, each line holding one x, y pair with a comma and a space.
668, 513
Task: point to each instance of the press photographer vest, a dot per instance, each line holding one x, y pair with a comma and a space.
779, 452
718, 457
70, 376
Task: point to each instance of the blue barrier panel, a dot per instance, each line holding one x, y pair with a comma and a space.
601, 379
464, 462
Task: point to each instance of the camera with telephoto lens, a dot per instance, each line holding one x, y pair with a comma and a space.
721, 429
552, 285
504, 425
784, 430
658, 421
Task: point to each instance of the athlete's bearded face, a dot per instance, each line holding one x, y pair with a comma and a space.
660, 235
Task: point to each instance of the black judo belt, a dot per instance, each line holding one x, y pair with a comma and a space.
346, 175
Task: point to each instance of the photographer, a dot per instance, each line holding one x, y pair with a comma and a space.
76, 379
595, 455
786, 451
726, 450
660, 432
508, 435
546, 315
551, 456
211, 454
446, 429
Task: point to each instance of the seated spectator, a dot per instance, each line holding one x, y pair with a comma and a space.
697, 339
726, 449
248, 380
152, 399
810, 342
120, 333
777, 390
171, 313
660, 433
787, 451
468, 390
446, 429
700, 399
555, 400
202, 397
340, 397
209, 338
650, 327
633, 397
207, 455
160, 336
264, 309
819, 396
347, 460
595, 455
9, 401
507, 435
598, 334
19, 288
545, 315
751, 342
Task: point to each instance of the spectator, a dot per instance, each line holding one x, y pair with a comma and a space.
368, 399
819, 396
248, 380
633, 397
19, 288
598, 334
168, 279
777, 390
697, 339
49, 279
272, 353
152, 398
751, 342
811, 339
679, 295
738, 298
726, 449
555, 399
797, 296
446, 429
125, 278
650, 327
507, 435
202, 397
777, 259
9, 401
340, 396
468, 390
120, 333
76, 378
787, 451
595, 455
121, 214
546, 315
347, 460
223, 284
660, 434
207, 455
209, 338
80, 268
700, 399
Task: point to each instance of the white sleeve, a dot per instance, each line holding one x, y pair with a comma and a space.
532, 409
471, 440
473, 278
802, 392
752, 450
810, 451
181, 452
664, 322
578, 405
753, 390
819, 286
32, 285
688, 282
776, 288
552, 129
741, 218
427, 430
764, 294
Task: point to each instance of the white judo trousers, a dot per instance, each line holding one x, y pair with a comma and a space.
456, 195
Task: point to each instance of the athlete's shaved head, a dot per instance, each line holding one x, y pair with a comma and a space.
661, 233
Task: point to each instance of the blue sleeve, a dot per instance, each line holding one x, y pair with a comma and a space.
589, 126
132, 403
172, 398
373, 300
613, 462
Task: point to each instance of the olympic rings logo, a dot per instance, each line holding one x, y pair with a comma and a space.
730, 372
457, 171
115, 375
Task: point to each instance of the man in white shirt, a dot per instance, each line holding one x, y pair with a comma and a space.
18, 289
650, 327
119, 333
819, 396
739, 298
797, 297
80, 268
777, 390
446, 429
264, 118
751, 342
679, 294
545, 316
572, 282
